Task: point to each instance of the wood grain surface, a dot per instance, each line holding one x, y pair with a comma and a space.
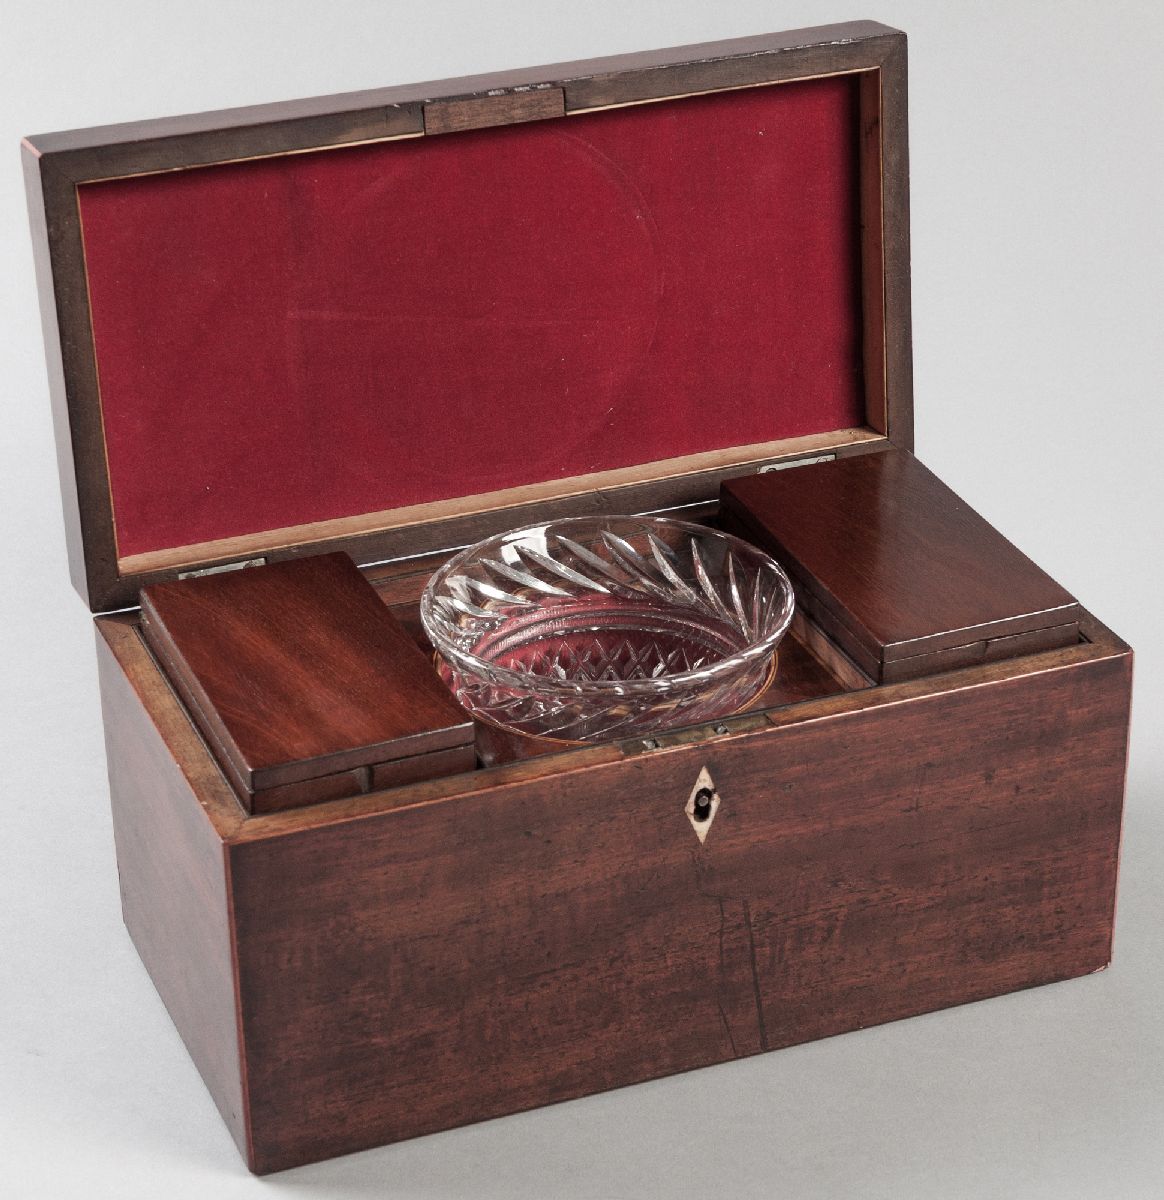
479, 112
474, 945
896, 567
175, 895
563, 934
300, 678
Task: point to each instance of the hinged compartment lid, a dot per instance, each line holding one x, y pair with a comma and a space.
301, 681
922, 583
396, 321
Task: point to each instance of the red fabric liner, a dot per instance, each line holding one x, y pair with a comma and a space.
334, 333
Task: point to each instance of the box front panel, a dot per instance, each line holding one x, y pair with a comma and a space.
457, 960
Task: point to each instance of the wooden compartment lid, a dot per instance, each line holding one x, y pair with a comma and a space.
919, 583
396, 321
303, 683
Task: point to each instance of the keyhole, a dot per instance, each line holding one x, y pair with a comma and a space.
702, 804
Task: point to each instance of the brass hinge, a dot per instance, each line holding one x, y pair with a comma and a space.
767, 468
223, 567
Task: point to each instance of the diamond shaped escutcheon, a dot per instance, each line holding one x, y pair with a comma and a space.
702, 804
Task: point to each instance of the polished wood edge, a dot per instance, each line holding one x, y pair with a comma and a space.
370, 758
433, 764
249, 1148
872, 238
989, 649
983, 675
479, 112
990, 631
347, 115
827, 609
77, 426
897, 306
759, 61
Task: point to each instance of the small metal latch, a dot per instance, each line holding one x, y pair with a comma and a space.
222, 568
768, 468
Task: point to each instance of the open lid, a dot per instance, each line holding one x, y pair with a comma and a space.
320, 325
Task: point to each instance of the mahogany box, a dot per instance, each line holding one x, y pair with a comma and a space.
393, 322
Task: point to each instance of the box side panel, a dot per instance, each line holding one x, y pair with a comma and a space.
45, 194
174, 890
449, 962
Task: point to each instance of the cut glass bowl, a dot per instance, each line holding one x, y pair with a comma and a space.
593, 628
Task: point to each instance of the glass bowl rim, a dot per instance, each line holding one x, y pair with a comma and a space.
661, 685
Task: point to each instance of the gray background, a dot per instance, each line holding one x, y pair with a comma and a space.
1036, 133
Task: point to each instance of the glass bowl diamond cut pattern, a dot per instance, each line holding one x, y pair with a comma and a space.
594, 628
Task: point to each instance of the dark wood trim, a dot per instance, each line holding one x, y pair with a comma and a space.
57, 163
897, 318
872, 153
155, 152
72, 377
479, 112
778, 58
292, 125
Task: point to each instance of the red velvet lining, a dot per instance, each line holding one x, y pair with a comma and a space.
320, 335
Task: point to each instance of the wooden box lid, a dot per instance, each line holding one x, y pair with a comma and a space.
920, 584
393, 322
301, 680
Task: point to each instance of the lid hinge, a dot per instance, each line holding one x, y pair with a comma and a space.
788, 463
222, 568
